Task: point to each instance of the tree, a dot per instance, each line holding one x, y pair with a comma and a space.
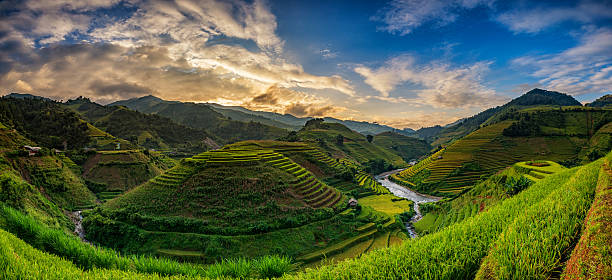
314, 122
340, 139
370, 138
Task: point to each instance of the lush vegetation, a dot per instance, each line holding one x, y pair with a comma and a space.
45, 122
456, 252
535, 97
408, 148
603, 101
202, 116
590, 259
110, 173
562, 135
341, 142
145, 130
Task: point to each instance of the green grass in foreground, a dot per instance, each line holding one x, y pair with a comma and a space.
531, 247
457, 251
82, 256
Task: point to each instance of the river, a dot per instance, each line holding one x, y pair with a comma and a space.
77, 219
407, 193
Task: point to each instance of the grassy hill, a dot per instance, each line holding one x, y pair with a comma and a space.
533, 98
484, 195
603, 101
408, 148
341, 142
202, 116
44, 122
243, 199
544, 219
110, 173
570, 135
150, 131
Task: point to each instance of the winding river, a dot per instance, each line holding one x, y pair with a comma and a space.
407, 193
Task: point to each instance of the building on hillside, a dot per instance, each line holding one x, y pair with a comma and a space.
32, 151
352, 202
413, 162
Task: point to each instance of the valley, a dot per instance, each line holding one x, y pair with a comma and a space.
114, 191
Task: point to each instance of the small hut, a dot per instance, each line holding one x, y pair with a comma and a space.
32, 151
352, 202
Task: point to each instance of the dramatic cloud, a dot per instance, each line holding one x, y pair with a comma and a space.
440, 85
288, 101
181, 50
534, 20
585, 68
403, 16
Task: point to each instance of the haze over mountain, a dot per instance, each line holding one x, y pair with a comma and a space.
152, 104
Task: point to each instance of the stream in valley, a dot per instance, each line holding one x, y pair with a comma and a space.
77, 219
406, 193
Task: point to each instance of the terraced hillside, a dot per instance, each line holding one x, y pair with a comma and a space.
484, 195
342, 142
545, 219
569, 135
533, 98
110, 173
321, 165
241, 200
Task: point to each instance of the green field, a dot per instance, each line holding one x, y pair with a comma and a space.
562, 136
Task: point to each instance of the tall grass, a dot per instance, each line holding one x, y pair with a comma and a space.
533, 245
453, 253
85, 256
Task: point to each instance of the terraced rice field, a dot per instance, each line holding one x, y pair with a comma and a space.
538, 170
478, 155
306, 186
405, 175
375, 234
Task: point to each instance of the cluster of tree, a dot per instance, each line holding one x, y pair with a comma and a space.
522, 128
131, 125
203, 117
377, 166
45, 122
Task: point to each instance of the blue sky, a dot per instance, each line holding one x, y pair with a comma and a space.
405, 63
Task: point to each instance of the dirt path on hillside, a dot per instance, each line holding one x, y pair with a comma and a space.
409, 194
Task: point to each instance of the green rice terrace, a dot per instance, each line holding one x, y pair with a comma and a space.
527, 195
559, 135
249, 199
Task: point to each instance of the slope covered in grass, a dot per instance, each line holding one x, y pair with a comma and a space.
408, 148
110, 173
202, 116
592, 256
457, 251
150, 131
342, 142
561, 135
533, 98
225, 203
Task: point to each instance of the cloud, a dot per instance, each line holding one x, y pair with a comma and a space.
287, 101
440, 85
328, 53
308, 110
535, 19
585, 68
403, 16
187, 50
121, 89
